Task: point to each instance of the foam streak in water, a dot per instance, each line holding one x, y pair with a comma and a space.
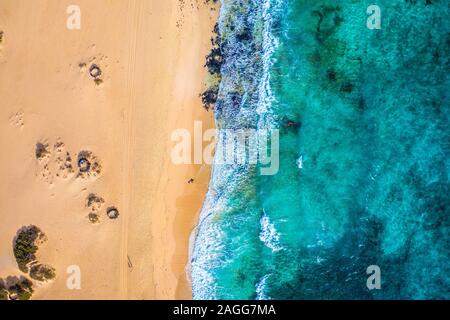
269, 235
261, 287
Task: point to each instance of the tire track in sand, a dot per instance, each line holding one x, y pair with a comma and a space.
134, 22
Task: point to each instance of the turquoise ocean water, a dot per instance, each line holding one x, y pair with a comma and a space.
368, 113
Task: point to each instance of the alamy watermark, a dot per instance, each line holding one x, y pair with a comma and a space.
374, 279
228, 146
73, 21
73, 281
374, 19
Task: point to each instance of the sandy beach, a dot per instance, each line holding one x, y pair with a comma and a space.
151, 55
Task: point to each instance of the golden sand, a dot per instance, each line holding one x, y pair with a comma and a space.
151, 55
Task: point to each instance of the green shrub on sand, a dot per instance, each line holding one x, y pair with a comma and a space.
26, 246
20, 289
42, 272
17, 292
3, 292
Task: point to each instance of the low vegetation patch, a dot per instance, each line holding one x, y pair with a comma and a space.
26, 245
42, 272
42, 150
15, 288
214, 62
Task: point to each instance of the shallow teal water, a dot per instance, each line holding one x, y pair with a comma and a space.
368, 112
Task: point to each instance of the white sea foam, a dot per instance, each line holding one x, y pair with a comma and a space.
207, 251
261, 288
300, 162
269, 235
270, 43
207, 255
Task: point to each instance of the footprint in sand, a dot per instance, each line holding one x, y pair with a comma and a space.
63, 161
43, 154
17, 119
47, 174
60, 167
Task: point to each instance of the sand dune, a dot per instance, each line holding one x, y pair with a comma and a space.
150, 54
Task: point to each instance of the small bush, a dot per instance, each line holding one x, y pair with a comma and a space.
209, 97
24, 295
42, 272
93, 218
21, 290
98, 81
42, 150
3, 294
214, 61
26, 284
17, 292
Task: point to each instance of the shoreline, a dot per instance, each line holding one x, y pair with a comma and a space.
151, 54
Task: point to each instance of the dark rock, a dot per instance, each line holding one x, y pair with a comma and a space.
347, 87
95, 71
331, 75
112, 213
